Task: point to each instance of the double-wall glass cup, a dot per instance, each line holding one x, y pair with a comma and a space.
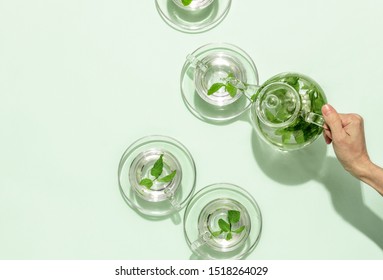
194, 17
212, 64
210, 229
161, 192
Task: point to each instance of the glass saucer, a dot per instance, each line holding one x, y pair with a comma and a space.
202, 228
211, 64
161, 198
199, 16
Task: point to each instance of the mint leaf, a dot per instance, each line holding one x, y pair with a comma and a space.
216, 233
214, 88
223, 225
270, 116
229, 236
239, 230
168, 178
286, 137
157, 167
232, 90
233, 216
292, 80
146, 182
186, 2
254, 97
299, 136
231, 75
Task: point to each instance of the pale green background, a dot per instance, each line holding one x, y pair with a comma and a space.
80, 80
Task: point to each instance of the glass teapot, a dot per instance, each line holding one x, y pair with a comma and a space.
287, 111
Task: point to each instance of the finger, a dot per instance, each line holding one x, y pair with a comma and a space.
333, 120
346, 119
354, 125
326, 138
328, 133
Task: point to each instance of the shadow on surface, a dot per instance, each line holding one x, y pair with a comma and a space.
347, 199
289, 168
311, 163
174, 217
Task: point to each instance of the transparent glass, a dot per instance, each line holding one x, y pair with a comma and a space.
211, 64
208, 222
202, 217
199, 16
162, 198
141, 167
287, 111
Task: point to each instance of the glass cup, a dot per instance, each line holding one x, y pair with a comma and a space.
195, 5
160, 191
162, 197
212, 64
208, 224
198, 16
208, 212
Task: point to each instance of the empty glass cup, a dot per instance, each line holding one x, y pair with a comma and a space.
196, 16
156, 175
222, 221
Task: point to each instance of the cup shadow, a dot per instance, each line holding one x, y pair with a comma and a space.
174, 217
311, 163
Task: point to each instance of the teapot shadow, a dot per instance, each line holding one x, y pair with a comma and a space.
288, 168
347, 199
311, 163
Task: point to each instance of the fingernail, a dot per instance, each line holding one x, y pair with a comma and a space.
327, 109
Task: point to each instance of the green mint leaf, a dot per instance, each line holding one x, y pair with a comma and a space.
270, 116
224, 226
254, 97
299, 136
231, 75
229, 236
239, 230
233, 216
216, 233
292, 80
286, 137
214, 88
232, 90
186, 2
146, 182
157, 167
168, 178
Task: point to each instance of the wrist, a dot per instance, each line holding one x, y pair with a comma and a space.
360, 168
372, 175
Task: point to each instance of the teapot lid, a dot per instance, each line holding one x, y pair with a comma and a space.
278, 104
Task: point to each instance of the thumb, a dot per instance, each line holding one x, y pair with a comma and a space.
333, 120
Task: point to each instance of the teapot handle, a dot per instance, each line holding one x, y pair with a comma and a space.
315, 119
